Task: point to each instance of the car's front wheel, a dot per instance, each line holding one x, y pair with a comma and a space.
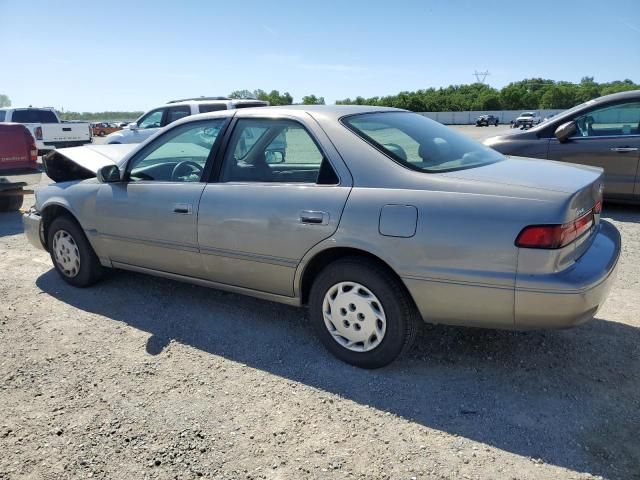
72, 254
362, 313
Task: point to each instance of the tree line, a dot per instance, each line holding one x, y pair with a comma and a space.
531, 93
274, 97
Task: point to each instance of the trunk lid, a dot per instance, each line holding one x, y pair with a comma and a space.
582, 185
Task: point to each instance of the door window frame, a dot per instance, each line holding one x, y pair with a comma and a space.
216, 171
208, 166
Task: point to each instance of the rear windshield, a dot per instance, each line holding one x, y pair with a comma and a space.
419, 143
34, 116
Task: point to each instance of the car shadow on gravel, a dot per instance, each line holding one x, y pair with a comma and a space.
622, 213
10, 223
567, 398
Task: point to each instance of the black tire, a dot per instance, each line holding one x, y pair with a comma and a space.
90, 270
403, 320
11, 203
101, 133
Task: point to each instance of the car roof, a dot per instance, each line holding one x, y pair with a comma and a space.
204, 101
629, 94
324, 112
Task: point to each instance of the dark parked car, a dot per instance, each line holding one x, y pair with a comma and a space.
486, 120
604, 132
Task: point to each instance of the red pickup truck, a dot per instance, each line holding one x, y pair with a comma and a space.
17, 147
18, 151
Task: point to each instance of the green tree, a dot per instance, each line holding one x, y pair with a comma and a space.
5, 101
241, 94
312, 100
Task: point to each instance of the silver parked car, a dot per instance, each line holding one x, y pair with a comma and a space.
375, 218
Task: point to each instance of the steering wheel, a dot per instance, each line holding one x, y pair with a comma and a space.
186, 167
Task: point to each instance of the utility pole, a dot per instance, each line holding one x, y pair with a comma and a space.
481, 76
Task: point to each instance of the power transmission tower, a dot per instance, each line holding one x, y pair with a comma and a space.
481, 76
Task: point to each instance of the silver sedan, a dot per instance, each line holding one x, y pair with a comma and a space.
376, 219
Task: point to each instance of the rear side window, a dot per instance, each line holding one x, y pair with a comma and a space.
211, 107
176, 113
34, 116
250, 104
276, 151
3, 114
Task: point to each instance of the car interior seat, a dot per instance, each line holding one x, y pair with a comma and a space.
258, 171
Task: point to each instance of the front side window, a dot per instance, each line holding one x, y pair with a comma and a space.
3, 115
619, 120
275, 151
152, 119
176, 113
179, 155
418, 143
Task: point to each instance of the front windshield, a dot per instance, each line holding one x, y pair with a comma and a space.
527, 114
419, 143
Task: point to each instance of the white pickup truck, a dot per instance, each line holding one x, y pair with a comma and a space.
48, 130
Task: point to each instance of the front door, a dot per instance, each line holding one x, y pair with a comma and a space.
278, 196
150, 219
607, 137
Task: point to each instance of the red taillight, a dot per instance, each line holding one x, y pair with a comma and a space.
38, 133
598, 207
33, 148
554, 236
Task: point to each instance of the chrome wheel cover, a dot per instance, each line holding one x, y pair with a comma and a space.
66, 253
354, 316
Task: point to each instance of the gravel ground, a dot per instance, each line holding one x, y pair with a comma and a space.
140, 377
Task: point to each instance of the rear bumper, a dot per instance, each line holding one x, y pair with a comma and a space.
574, 295
33, 230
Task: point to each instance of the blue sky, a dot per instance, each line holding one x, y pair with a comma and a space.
133, 55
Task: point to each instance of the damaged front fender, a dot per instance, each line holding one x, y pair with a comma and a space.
80, 163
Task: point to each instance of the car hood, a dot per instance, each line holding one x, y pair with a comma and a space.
79, 163
531, 173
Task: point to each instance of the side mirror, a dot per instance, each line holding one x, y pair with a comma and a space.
274, 156
566, 130
109, 174
132, 126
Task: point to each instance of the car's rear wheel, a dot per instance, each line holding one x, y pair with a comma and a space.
72, 254
362, 313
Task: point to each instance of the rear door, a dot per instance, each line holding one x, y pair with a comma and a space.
607, 137
277, 196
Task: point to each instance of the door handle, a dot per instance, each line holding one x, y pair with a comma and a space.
183, 208
313, 217
624, 149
